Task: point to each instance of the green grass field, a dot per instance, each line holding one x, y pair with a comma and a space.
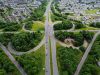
89, 28
42, 51
91, 11
37, 26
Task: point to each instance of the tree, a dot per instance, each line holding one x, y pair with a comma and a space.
63, 26
79, 25
78, 39
32, 63
68, 58
9, 26
25, 41
38, 14
82, 48
95, 24
6, 67
5, 38
87, 35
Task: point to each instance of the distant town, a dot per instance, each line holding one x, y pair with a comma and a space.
18, 9
80, 6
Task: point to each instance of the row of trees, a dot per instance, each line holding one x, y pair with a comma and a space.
57, 7
87, 35
25, 41
56, 15
56, 18
11, 26
56, 4
95, 24
63, 26
79, 24
68, 59
6, 66
78, 37
38, 14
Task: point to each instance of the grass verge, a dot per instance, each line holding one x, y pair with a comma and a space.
51, 66
37, 26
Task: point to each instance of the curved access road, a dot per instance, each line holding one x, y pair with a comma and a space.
10, 48
77, 30
23, 28
9, 32
86, 54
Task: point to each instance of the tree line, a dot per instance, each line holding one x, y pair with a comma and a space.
78, 37
95, 24
10, 26
25, 41
63, 26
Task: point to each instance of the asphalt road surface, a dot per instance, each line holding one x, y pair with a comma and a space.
53, 47
47, 44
